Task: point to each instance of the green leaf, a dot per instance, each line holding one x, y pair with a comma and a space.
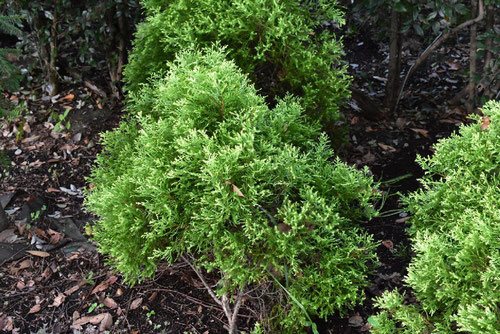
418, 29
400, 7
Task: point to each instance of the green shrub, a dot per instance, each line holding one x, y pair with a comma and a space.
278, 43
10, 76
455, 230
248, 192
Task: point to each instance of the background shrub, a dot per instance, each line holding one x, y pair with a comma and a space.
248, 192
455, 231
280, 44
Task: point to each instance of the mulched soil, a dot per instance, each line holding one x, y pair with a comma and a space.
64, 286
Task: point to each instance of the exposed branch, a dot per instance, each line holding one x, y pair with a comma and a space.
205, 284
436, 43
224, 302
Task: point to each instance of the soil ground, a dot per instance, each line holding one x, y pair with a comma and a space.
53, 281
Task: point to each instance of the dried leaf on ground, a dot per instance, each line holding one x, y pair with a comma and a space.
94, 320
38, 253
60, 298
75, 288
422, 132
136, 303
8, 236
35, 309
106, 322
388, 244
104, 285
386, 147
110, 303
16, 268
6, 323
356, 321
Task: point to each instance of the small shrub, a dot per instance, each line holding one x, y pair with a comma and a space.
210, 172
455, 230
280, 44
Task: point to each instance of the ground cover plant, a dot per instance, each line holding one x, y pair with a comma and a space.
455, 231
280, 44
209, 174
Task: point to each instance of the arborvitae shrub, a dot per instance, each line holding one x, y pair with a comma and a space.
248, 192
455, 231
279, 44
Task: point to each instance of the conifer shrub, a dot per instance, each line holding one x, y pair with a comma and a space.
279, 44
455, 231
210, 173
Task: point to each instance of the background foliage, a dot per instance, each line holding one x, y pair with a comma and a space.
280, 44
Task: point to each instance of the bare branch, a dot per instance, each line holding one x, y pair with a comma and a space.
436, 43
205, 284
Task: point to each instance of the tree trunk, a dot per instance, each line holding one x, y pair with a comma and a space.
472, 60
53, 76
489, 26
393, 79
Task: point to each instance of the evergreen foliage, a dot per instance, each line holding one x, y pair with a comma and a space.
455, 231
10, 76
204, 168
280, 44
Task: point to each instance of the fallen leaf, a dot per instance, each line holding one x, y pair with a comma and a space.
106, 322
94, 320
235, 189
6, 323
104, 285
8, 236
60, 298
153, 297
55, 237
26, 128
46, 273
15, 269
485, 123
110, 303
75, 288
388, 244
68, 98
387, 148
422, 132
35, 309
38, 253
356, 321
136, 303
20, 285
